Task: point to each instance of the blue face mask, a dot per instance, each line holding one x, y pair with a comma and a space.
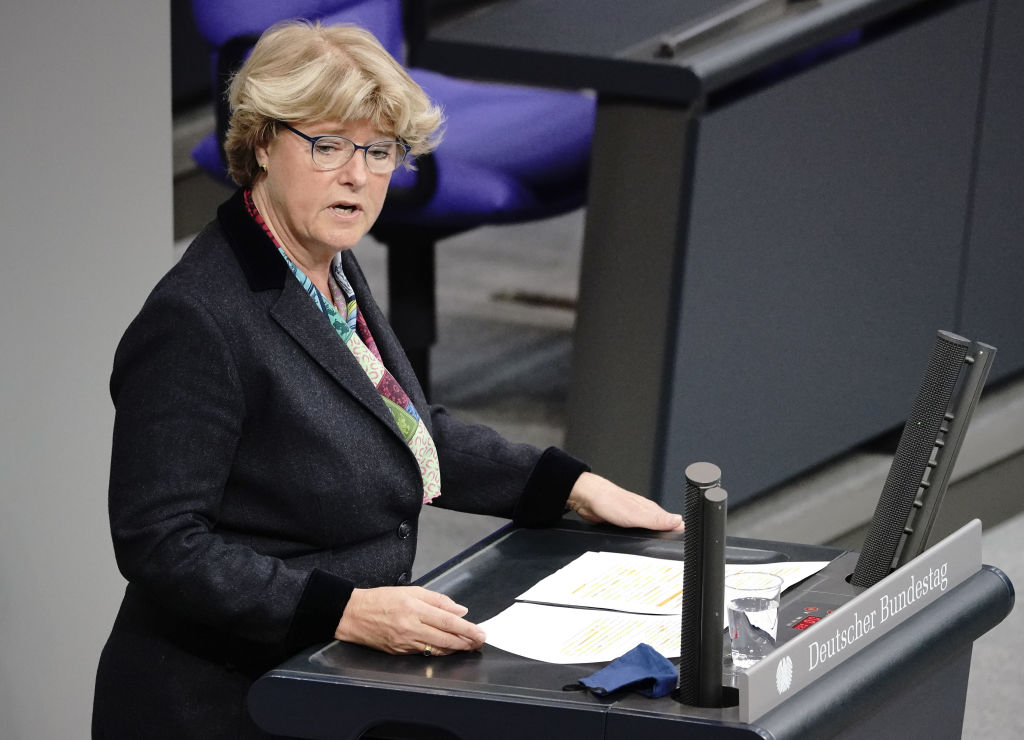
643, 669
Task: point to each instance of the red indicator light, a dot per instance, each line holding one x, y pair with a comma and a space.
806, 622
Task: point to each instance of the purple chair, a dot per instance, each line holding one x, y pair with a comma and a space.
510, 154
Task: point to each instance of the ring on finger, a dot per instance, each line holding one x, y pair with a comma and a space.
427, 650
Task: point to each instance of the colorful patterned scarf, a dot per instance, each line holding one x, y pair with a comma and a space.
343, 313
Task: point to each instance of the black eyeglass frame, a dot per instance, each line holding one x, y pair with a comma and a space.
402, 147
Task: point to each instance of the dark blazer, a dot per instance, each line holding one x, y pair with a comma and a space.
257, 477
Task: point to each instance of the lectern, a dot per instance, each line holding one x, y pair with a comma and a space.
913, 676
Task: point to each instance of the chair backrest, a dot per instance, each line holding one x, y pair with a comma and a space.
231, 27
220, 21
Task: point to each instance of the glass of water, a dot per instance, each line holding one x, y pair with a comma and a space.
752, 601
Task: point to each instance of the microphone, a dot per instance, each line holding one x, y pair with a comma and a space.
701, 477
924, 458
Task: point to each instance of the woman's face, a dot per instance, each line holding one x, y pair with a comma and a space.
319, 212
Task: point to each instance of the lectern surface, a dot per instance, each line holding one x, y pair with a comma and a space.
342, 690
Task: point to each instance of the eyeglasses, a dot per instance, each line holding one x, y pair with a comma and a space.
332, 152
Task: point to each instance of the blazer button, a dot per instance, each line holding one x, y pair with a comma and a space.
404, 530
403, 578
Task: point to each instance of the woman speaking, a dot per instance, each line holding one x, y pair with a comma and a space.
272, 447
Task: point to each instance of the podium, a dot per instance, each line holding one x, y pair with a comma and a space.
913, 677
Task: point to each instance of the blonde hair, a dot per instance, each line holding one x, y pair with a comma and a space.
303, 71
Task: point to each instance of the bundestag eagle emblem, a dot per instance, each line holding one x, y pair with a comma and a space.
784, 674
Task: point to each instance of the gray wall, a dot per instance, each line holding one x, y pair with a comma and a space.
85, 219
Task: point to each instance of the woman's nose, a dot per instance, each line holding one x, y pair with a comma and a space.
354, 171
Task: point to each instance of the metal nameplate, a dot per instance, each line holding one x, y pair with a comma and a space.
862, 620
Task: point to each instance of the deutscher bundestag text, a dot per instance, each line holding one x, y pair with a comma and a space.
890, 604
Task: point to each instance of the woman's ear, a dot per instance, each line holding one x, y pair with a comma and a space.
262, 153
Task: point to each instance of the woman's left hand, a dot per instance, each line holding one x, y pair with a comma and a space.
597, 499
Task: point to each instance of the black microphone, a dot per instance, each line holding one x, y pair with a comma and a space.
700, 478
924, 457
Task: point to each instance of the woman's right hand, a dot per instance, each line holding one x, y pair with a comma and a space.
407, 619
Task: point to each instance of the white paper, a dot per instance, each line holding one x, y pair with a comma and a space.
611, 580
637, 583
559, 634
604, 604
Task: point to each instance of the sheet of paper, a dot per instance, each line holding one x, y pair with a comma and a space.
637, 583
610, 580
558, 634
604, 604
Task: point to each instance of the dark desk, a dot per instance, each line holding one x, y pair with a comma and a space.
915, 676
772, 240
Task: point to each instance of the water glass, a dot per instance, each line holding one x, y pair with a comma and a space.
752, 602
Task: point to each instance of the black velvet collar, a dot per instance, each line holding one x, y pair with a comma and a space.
261, 262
